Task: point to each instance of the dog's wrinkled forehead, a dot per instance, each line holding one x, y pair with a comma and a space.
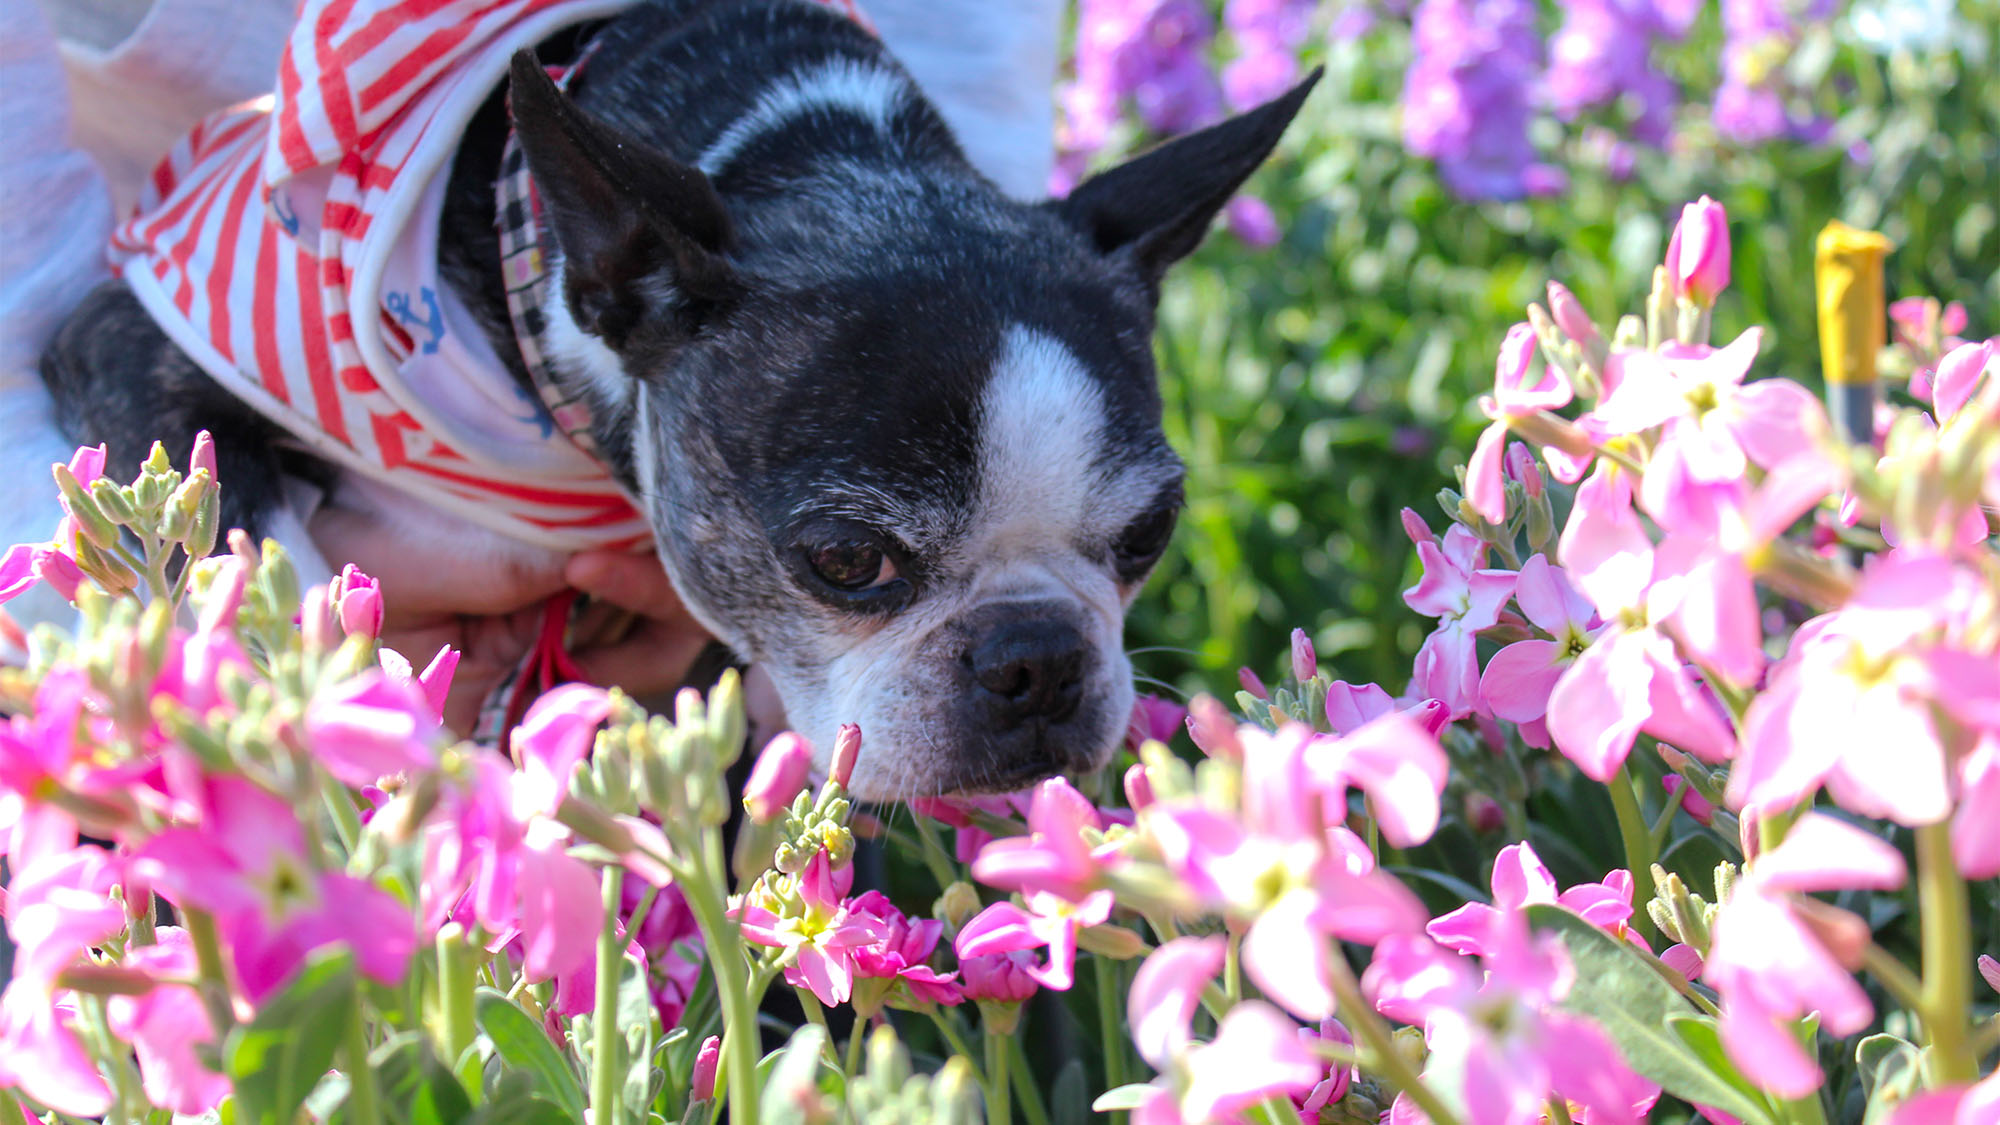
920, 403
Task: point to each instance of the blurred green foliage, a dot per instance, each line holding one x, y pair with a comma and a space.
1317, 388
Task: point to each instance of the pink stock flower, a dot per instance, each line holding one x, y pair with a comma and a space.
1165, 993
1520, 879
902, 953
818, 926
41, 1056
1349, 706
1958, 376
780, 774
1338, 1077
1053, 858
1975, 827
1154, 719
1464, 599
1630, 678
166, 1025
1977, 1104
1305, 662
1691, 801
247, 863
372, 727
1287, 865
57, 908
1497, 1038
434, 681
1050, 920
1850, 706
1706, 564
701, 1086
1256, 1053
1252, 684
28, 563
551, 742
1772, 968
1698, 252
45, 752
1513, 397
1519, 678
998, 978
846, 751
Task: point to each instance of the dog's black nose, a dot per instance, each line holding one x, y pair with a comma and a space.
1034, 669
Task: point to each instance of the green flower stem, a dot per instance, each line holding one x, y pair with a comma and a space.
604, 1085
214, 985
456, 981
1559, 1112
1639, 852
998, 1112
346, 814
852, 1065
958, 1045
1232, 968
817, 1015
935, 857
1372, 1031
1025, 1089
1895, 976
739, 1002
1947, 986
362, 1103
1110, 1010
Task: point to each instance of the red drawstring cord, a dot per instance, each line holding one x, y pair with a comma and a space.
549, 662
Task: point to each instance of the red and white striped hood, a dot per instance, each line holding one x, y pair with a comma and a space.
290, 247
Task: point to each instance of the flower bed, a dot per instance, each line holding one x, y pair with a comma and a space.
1770, 649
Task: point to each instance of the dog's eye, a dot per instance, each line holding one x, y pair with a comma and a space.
1141, 544
852, 565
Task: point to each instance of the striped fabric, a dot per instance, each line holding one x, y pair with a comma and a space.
288, 245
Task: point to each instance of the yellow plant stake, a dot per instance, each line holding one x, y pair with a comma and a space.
1847, 267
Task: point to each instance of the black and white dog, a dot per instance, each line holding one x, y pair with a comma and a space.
897, 436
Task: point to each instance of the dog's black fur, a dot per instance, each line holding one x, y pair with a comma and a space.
814, 318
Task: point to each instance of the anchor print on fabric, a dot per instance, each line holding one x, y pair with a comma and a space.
431, 323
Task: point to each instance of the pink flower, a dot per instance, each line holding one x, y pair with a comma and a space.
28, 563
1498, 1039
1050, 920
1305, 662
816, 924
1155, 719
1464, 599
358, 600
1850, 705
434, 681
1339, 1076
1958, 375
551, 743
41, 1056
247, 863
1975, 827
1349, 706
1629, 679
779, 775
1252, 684
846, 751
1165, 993
1519, 678
998, 978
44, 752
58, 907
1698, 252
371, 727
1520, 879
1256, 1052
1693, 802
1772, 968
166, 1025
1977, 1104
903, 951
1513, 397
87, 464
1053, 858
701, 1087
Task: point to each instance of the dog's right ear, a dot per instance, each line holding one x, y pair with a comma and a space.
627, 216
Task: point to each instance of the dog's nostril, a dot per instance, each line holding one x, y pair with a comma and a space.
1036, 667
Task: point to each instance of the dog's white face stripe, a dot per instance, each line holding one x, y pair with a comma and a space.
857, 87
1041, 428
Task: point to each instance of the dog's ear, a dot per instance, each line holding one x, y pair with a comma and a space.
626, 215
1157, 206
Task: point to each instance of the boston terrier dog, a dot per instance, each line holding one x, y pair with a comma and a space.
896, 436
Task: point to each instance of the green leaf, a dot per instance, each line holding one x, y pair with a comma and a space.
531, 1110
1704, 1038
1891, 1069
1129, 1096
1069, 1097
523, 1044
1623, 994
416, 1088
276, 1059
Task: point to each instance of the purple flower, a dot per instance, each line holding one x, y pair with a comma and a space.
1148, 53
1759, 35
1467, 97
1603, 52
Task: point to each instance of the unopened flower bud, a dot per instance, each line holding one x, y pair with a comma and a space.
1115, 942
701, 1088
1483, 813
178, 517
1569, 315
113, 501
1521, 466
1989, 971
1138, 788
846, 748
728, 725
1698, 253
1251, 683
955, 1098
1414, 526
1696, 805
316, 621
1213, 728
1451, 503
956, 906
203, 456
1305, 662
87, 463
778, 776
360, 602
88, 519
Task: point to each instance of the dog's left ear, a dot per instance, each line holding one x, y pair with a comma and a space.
623, 213
1157, 206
